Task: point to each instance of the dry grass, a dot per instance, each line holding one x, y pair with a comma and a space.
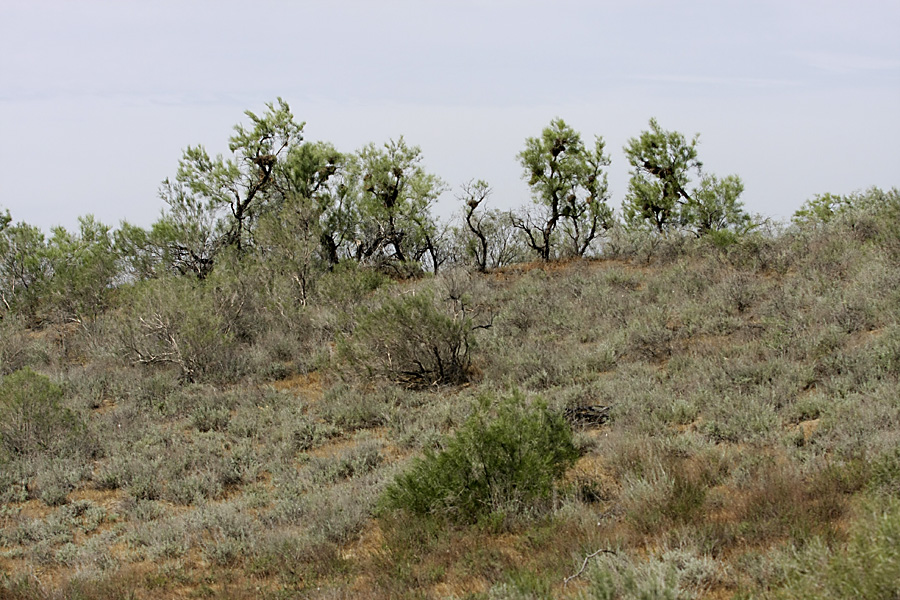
753, 393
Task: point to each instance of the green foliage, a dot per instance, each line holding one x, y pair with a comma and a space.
187, 239
32, 418
15, 346
413, 339
65, 278
23, 268
84, 270
569, 188
661, 162
214, 202
822, 208
395, 195
715, 207
311, 221
193, 325
661, 166
505, 459
347, 285
867, 567
871, 215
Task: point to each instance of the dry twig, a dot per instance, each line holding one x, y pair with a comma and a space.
584, 564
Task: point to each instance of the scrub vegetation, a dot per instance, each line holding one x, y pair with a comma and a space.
299, 384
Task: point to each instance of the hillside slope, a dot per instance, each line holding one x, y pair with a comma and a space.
752, 446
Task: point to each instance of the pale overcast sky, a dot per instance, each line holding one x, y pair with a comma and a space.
98, 98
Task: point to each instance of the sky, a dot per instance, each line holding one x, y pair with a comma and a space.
98, 98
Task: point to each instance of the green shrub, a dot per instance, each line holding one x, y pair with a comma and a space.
32, 420
504, 460
346, 285
14, 344
192, 325
867, 567
414, 340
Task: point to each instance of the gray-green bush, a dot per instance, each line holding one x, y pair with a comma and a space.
505, 459
415, 339
32, 418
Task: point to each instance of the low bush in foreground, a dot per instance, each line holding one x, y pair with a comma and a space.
867, 567
504, 460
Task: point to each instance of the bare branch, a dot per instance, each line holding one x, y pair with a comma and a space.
584, 564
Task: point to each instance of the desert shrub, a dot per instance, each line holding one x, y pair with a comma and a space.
358, 460
780, 502
55, 479
354, 407
886, 472
14, 345
416, 421
887, 351
346, 285
32, 418
867, 567
189, 324
504, 460
617, 576
413, 339
669, 493
651, 337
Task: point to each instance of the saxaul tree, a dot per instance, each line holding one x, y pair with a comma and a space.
487, 237
569, 189
716, 206
231, 191
315, 196
393, 206
24, 268
474, 193
307, 221
663, 165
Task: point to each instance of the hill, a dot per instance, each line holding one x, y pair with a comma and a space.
218, 438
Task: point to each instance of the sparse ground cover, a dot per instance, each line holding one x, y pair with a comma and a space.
751, 449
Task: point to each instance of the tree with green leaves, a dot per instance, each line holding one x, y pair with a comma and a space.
716, 206
316, 199
393, 205
569, 188
661, 166
24, 268
84, 269
232, 190
822, 208
301, 234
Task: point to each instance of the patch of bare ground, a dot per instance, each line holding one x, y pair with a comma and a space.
108, 499
805, 429
309, 386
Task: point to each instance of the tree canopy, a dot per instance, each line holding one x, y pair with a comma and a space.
292, 209
569, 188
663, 165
